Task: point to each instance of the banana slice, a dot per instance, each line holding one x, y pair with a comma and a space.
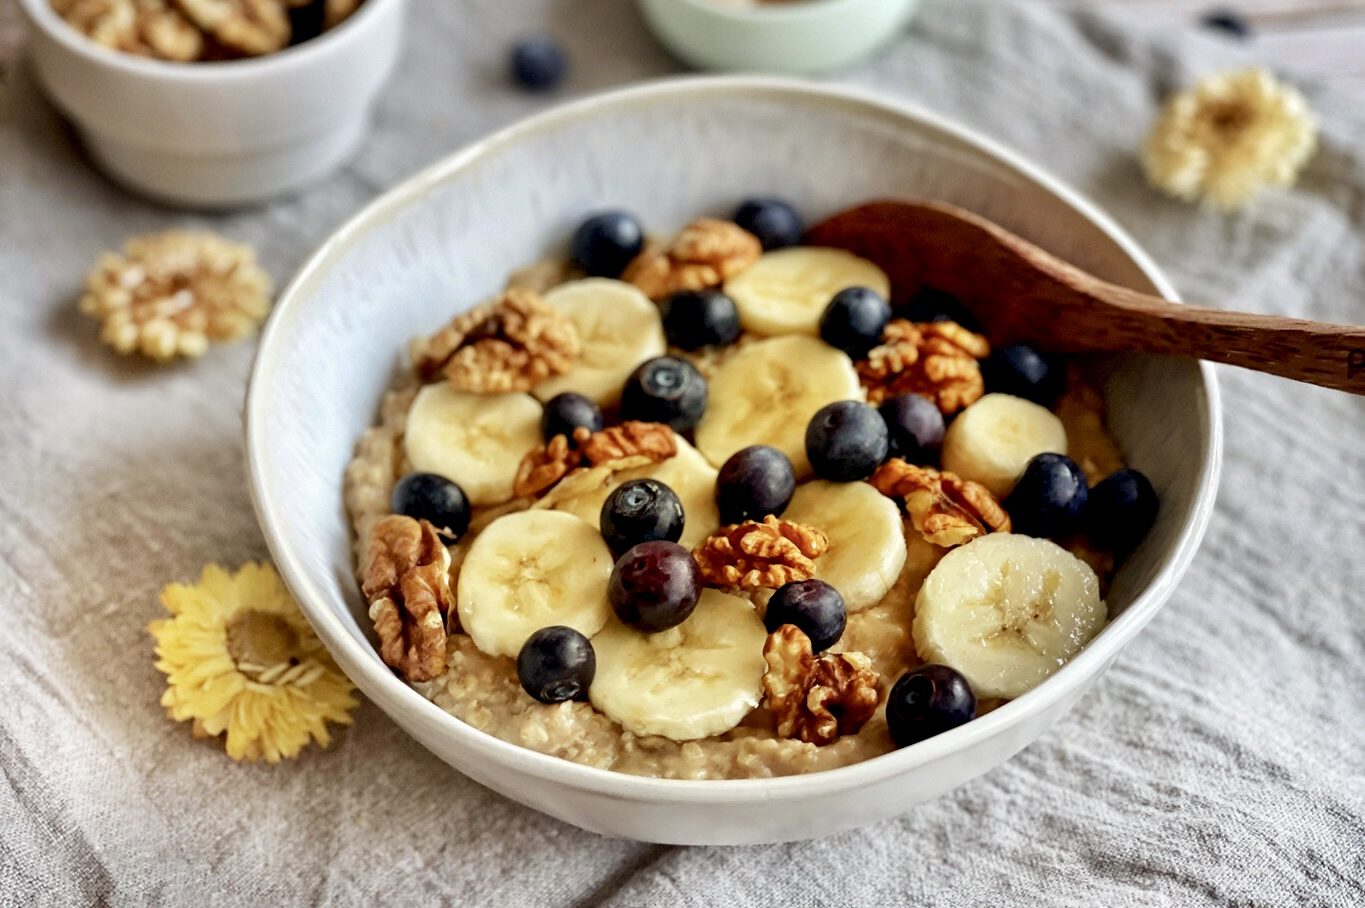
766, 394
866, 538
1007, 611
992, 441
687, 473
692, 681
618, 327
529, 570
475, 439
786, 292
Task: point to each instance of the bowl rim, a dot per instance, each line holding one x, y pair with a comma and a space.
42, 16
359, 660
763, 14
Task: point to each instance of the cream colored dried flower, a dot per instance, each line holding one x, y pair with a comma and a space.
170, 294
1230, 137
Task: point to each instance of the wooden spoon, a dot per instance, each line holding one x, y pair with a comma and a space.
1023, 294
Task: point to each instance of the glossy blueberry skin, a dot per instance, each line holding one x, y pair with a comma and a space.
813, 606
642, 510
854, 319
1121, 509
1228, 21
1049, 499
427, 496
654, 586
700, 318
1021, 371
914, 428
539, 63
846, 440
773, 221
756, 481
556, 664
927, 701
605, 243
665, 389
568, 411
933, 305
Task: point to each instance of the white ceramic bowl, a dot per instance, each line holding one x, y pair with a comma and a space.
220, 134
447, 238
796, 38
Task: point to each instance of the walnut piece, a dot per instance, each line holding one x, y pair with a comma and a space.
630, 439
251, 27
631, 444
407, 582
510, 344
760, 555
937, 360
148, 28
817, 699
334, 12
946, 509
170, 294
704, 254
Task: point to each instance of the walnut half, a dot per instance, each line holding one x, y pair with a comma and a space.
407, 582
760, 555
946, 509
704, 254
937, 360
817, 698
630, 444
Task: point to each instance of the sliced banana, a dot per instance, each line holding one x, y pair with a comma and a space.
866, 538
992, 441
618, 327
786, 292
766, 394
696, 680
529, 570
687, 473
1007, 611
477, 440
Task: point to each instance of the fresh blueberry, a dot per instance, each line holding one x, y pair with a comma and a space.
604, 244
665, 389
568, 411
1049, 499
654, 586
641, 510
427, 496
929, 700
538, 63
914, 426
846, 440
854, 319
933, 305
773, 221
1121, 509
756, 481
813, 606
700, 318
1022, 371
556, 664
1228, 21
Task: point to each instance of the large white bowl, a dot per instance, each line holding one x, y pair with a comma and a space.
446, 239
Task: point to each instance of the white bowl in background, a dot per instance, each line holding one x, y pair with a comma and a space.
223, 133
800, 37
446, 239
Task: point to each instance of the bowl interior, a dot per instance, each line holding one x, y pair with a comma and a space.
446, 240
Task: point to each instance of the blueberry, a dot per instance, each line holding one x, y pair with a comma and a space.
606, 242
1228, 21
929, 700
756, 481
1049, 499
773, 221
427, 496
538, 63
915, 427
1121, 509
641, 510
1022, 371
699, 318
854, 319
813, 606
846, 440
568, 411
665, 389
933, 305
654, 586
556, 664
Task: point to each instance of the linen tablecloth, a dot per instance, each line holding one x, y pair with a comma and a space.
1221, 761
